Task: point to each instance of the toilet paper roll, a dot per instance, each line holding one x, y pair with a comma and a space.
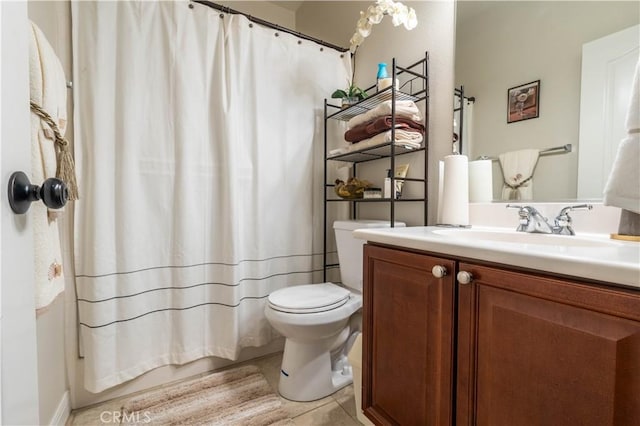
440, 187
455, 191
480, 181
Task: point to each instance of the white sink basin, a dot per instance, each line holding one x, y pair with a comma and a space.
505, 236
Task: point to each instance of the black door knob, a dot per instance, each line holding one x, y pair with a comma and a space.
22, 193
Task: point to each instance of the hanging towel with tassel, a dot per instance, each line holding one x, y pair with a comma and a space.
48, 92
623, 186
517, 172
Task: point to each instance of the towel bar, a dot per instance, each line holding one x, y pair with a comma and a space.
564, 149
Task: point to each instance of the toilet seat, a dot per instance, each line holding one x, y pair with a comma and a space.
310, 298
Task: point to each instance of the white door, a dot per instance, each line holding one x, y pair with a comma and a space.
18, 356
608, 64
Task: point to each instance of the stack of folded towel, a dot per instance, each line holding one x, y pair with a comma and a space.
374, 127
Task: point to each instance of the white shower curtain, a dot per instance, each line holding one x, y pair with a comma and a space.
196, 141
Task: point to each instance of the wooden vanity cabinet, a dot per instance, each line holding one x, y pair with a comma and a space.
408, 338
529, 349
534, 350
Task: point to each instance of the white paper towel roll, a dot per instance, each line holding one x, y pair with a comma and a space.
455, 191
480, 181
440, 187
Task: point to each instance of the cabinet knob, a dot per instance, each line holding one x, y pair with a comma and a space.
439, 271
465, 277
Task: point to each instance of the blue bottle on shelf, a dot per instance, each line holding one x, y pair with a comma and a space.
382, 71
382, 79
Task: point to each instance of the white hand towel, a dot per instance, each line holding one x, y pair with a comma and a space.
517, 170
407, 109
623, 186
47, 89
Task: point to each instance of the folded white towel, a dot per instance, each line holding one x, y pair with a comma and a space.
517, 170
410, 140
47, 89
406, 109
623, 186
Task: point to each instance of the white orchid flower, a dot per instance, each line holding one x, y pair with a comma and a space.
375, 14
400, 15
364, 29
385, 4
355, 41
412, 20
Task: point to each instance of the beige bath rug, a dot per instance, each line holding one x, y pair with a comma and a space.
239, 396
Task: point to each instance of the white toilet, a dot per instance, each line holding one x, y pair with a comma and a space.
319, 322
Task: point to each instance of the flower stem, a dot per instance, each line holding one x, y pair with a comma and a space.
353, 67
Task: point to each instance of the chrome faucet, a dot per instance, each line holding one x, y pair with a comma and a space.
531, 220
563, 220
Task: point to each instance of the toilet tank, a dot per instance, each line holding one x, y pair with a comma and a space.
350, 249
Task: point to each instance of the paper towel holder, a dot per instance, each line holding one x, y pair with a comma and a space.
53, 193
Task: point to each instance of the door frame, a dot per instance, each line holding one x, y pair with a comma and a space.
608, 65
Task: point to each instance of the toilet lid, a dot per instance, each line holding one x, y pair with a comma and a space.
309, 298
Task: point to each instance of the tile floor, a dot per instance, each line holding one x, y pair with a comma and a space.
335, 410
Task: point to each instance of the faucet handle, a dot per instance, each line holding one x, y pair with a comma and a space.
513, 206
568, 209
563, 220
524, 215
523, 211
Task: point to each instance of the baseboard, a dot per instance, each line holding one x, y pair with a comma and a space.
61, 415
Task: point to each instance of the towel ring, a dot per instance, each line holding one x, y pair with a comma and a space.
53, 193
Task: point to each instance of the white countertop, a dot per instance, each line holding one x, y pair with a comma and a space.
607, 260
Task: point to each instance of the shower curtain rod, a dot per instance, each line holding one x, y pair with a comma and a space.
226, 9
457, 91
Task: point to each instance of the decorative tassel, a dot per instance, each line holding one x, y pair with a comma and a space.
66, 169
514, 193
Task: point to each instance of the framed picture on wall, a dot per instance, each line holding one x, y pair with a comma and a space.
523, 102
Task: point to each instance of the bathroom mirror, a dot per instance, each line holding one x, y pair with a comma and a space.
506, 44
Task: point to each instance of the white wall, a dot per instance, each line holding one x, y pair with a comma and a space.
335, 22
265, 10
505, 44
18, 375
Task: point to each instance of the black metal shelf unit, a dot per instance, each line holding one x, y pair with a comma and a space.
415, 87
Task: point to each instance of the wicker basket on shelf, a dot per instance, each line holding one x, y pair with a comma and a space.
352, 189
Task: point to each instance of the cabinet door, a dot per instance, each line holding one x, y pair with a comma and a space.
541, 351
407, 346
